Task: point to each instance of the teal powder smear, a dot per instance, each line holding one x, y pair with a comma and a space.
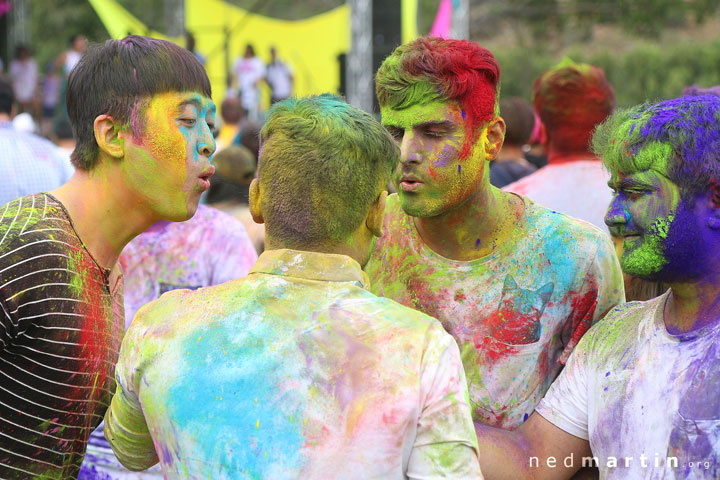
255, 431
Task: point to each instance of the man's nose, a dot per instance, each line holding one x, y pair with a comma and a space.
616, 214
410, 149
206, 143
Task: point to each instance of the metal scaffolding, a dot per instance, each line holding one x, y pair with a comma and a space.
359, 59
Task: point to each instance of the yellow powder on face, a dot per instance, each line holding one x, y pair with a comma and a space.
164, 140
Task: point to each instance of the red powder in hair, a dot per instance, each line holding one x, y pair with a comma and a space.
464, 72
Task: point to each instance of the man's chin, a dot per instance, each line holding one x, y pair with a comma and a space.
415, 207
642, 263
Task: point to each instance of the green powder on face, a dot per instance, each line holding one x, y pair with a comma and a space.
649, 257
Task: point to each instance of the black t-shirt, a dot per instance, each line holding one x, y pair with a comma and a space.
61, 329
505, 173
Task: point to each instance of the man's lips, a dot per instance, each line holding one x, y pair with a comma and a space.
205, 177
410, 184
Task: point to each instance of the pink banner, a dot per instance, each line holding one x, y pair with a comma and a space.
443, 19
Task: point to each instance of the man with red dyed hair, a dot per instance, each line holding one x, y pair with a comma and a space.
515, 283
570, 99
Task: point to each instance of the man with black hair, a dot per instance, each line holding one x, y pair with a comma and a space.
142, 114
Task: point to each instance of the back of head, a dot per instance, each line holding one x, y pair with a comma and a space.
694, 90
7, 97
231, 111
118, 79
519, 120
431, 68
571, 99
236, 163
678, 138
234, 170
323, 163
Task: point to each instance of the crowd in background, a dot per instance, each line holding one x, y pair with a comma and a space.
547, 157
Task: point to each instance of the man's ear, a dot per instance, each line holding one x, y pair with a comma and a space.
255, 210
376, 215
544, 140
110, 136
495, 137
714, 204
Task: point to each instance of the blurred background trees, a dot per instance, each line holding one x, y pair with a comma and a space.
650, 49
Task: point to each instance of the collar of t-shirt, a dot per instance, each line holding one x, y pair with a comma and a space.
326, 267
710, 331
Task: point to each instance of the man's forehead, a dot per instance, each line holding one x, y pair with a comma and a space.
434, 111
181, 99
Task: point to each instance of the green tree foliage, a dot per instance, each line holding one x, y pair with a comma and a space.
646, 73
545, 18
53, 22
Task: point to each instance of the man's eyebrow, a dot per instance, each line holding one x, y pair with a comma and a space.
197, 103
428, 124
435, 124
627, 182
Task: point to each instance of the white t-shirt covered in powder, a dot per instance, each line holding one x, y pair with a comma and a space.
516, 313
647, 401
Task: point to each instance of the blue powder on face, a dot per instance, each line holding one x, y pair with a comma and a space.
477, 243
459, 168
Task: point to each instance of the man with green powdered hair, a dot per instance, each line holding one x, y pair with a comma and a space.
297, 370
515, 283
640, 395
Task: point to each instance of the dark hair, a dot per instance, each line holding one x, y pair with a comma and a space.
7, 97
519, 119
118, 78
322, 165
231, 110
63, 129
571, 99
20, 49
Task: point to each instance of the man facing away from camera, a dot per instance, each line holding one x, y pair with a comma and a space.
297, 370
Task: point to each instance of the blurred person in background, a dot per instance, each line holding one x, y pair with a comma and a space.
229, 190
28, 163
248, 72
234, 117
510, 164
190, 45
570, 99
51, 84
279, 77
64, 138
24, 77
70, 57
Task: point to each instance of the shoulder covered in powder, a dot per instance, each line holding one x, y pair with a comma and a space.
619, 326
548, 218
411, 320
177, 308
